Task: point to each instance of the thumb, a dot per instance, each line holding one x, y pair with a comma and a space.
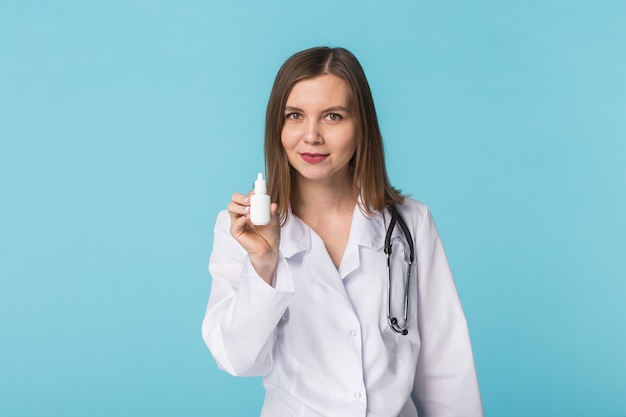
274, 214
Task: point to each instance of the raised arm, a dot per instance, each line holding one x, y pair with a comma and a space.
243, 310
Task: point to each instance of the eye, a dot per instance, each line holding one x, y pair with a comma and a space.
334, 117
293, 116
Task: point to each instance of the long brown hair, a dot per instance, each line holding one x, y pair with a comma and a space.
370, 182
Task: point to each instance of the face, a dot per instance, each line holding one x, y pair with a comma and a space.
319, 129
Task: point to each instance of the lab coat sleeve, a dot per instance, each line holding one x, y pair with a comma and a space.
445, 380
240, 323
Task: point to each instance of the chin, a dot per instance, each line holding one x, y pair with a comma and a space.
317, 175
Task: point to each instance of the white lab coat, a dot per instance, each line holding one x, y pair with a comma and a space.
320, 337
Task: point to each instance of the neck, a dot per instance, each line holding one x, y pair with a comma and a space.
315, 199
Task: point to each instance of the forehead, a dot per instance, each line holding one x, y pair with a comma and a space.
324, 90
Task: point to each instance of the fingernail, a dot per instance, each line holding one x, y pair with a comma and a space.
245, 200
246, 209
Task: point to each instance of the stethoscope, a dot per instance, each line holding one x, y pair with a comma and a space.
409, 257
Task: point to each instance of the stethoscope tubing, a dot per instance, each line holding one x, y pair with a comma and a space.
396, 218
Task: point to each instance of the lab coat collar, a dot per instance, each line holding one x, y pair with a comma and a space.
295, 237
366, 231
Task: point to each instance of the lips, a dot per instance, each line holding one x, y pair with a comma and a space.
313, 158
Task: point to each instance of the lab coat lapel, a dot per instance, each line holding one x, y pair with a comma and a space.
294, 237
366, 231
318, 267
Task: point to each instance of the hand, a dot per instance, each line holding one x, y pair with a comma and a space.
261, 242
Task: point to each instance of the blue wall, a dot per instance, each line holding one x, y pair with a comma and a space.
126, 125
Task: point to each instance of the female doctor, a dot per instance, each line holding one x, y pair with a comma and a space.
344, 303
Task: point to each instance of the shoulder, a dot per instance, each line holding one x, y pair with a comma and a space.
414, 212
419, 218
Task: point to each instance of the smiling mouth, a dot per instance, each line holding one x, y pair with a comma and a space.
313, 158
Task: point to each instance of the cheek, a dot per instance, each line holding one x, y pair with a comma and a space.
349, 140
287, 138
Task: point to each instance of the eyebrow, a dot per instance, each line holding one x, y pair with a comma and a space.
327, 110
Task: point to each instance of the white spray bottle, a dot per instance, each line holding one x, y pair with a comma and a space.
260, 203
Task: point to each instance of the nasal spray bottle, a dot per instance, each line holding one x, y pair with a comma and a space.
260, 203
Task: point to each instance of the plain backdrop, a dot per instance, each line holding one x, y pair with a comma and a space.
125, 126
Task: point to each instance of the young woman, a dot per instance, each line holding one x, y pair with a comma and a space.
344, 303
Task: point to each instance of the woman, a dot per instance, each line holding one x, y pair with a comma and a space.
307, 301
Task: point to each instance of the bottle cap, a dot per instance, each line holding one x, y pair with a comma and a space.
260, 186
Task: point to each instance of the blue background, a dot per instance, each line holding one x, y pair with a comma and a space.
126, 125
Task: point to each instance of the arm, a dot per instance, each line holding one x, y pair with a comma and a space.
243, 310
445, 378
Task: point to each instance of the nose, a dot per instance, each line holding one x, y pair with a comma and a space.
313, 134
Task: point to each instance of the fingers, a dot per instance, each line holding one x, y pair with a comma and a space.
261, 241
239, 206
242, 199
239, 210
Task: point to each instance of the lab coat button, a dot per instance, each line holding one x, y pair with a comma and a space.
357, 395
352, 332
